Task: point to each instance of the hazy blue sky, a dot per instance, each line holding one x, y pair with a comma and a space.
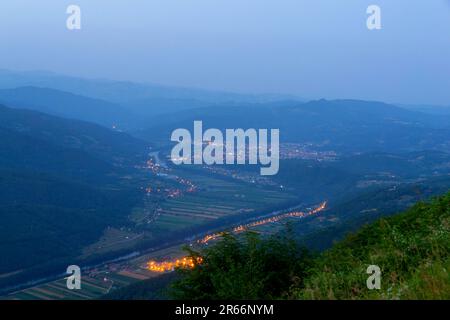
313, 48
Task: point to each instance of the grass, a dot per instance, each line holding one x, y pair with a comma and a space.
412, 249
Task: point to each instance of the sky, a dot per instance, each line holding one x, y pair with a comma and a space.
310, 48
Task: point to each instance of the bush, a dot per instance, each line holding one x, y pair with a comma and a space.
246, 268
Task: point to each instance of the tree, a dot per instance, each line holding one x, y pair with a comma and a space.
247, 267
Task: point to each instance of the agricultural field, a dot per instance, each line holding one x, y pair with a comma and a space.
100, 281
215, 199
92, 287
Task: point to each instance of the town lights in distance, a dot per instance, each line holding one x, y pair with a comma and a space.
210, 147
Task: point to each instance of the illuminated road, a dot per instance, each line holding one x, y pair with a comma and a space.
243, 227
188, 262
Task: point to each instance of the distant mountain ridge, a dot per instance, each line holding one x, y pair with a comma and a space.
343, 125
139, 98
68, 105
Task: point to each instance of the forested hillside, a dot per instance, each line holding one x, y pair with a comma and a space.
61, 184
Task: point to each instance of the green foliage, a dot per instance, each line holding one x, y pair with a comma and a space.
412, 249
248, 268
